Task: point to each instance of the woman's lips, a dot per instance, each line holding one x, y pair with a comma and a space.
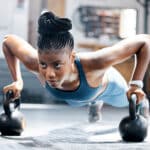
52, 82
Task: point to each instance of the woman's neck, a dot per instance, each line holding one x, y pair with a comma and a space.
72, 81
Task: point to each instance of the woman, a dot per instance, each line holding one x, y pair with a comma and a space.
77, 78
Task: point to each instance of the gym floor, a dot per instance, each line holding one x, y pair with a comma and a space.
60, 127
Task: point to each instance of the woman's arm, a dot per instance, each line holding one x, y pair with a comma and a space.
15, 50
104, 58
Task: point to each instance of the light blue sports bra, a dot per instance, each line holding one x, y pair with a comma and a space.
81, 95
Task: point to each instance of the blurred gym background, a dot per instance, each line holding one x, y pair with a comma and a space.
96, 24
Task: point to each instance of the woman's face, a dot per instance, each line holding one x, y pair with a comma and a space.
56, 66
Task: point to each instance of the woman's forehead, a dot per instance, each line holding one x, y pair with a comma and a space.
51, 55
62, 50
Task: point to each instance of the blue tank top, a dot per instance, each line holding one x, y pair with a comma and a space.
83, 94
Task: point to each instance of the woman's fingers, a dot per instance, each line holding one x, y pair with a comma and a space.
14, 88
139, 93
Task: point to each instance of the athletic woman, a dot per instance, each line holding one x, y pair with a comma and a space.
81, 78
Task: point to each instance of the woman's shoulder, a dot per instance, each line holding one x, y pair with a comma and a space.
89, 60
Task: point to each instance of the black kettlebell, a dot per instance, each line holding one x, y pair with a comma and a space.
134, 127
12, 122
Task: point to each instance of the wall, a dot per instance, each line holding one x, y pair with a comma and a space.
14, 20
71, 5
57, 6
35, 8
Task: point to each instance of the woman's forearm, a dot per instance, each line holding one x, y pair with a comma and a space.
13, 63
143, 59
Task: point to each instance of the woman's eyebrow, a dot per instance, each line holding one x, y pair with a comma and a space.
51, 62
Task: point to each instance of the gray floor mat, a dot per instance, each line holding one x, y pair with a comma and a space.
79, 136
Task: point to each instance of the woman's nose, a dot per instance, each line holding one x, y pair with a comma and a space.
50, 73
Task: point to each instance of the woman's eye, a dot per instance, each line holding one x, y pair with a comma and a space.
57, 66
43, 65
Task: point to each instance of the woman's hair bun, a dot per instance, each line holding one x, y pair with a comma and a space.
49, 24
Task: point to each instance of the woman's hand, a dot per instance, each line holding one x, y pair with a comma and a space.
16, 87
138, 91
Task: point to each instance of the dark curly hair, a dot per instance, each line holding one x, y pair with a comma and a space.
54, 32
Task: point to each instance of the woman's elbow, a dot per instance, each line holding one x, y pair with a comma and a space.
147, 46
4, 45
6, 40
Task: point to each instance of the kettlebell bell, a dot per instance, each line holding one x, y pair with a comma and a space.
12, 122
134, 127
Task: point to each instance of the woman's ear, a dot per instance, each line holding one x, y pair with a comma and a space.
72, 56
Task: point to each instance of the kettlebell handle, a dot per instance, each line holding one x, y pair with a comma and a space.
132, 106
7, 100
